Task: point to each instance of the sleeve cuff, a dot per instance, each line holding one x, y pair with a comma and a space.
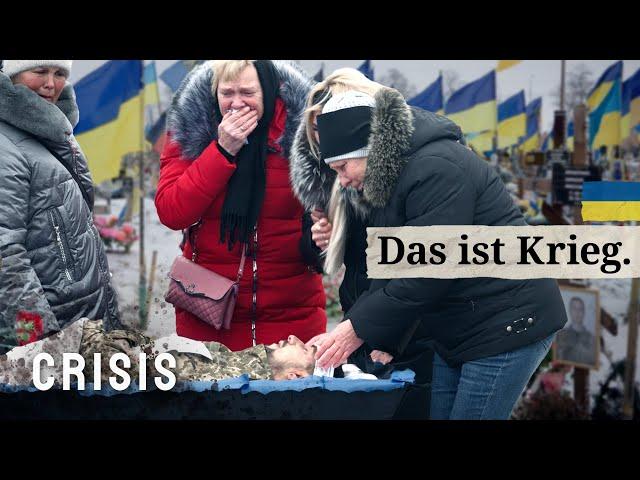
227, 155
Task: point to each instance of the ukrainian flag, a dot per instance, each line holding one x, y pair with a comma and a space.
174, 75
630, 104
111, 115
604, 121
481, 141
531, 139
604, 84
430, 98
570, 137
473, 108
548, 143
150, 96
610, 201
366, 69
504, 64
512, 120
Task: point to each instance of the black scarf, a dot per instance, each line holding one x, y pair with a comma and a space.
245, 191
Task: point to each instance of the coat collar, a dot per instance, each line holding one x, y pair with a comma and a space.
190, 118
26, 110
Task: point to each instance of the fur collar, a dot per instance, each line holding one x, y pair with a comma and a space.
391, 131
26, 110
190, 117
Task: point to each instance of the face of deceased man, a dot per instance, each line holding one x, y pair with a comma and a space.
291, 359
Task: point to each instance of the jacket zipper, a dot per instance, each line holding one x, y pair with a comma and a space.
95, 242
74, 153
56, 227
254, 286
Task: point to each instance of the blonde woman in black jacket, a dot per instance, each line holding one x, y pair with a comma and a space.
406, 166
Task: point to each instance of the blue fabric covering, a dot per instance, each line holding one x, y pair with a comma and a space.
242, 383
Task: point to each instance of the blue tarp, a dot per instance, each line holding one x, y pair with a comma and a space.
243, 384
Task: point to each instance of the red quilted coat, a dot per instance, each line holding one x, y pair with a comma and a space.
289, 297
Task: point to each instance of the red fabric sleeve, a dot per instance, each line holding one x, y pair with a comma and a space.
187, 188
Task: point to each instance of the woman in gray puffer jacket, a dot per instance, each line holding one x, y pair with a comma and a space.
54, 268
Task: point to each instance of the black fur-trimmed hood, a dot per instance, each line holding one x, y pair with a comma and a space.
397, 131
190, 118
26, 110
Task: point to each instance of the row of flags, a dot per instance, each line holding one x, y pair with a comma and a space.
120, 100
614, 111
121, 112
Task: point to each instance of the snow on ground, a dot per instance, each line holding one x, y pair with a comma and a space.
126, 272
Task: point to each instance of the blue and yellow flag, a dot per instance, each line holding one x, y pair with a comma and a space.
473, 108
482, 141
610, 201
604, 121
630, 104
570, 137
531, 139
366, 69
604, 84
111, 115
151, 96
504, 64
512, 120
547, 144
430, 98
174, 75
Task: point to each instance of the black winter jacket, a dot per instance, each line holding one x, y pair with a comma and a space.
419, 174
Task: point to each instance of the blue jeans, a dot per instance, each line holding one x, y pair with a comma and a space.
486, 388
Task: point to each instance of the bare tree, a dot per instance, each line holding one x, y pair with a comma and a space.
394, 78
578, 84
451, 82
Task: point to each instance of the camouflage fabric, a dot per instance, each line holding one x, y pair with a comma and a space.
189, 365
207, 361
96, 340
223, 364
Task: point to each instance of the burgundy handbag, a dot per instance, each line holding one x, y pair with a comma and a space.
207, 295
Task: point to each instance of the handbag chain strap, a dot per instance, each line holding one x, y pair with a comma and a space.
194, 253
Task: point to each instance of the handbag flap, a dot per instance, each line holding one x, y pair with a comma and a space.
197, 280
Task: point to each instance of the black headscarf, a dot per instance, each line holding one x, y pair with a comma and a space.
245, 191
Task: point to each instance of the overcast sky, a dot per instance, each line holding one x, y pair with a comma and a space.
536, 77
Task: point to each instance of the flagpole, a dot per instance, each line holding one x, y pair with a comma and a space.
495, 132
632, 343
564, 124
142, 287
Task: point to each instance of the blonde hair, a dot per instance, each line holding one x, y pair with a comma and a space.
337, 215
340, 81
225, 70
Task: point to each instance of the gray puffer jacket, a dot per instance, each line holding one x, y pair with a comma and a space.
53, 260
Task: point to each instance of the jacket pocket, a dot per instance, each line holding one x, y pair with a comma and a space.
62, 244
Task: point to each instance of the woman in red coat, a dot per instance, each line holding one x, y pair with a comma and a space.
225, 165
